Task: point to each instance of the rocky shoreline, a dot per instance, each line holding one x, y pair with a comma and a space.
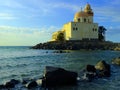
78, 45
55, 76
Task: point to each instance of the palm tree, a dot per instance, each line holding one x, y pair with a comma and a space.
101, 33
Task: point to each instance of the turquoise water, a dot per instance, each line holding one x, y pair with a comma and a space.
22, 62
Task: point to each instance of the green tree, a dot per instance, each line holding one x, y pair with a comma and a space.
101, 33
60, 37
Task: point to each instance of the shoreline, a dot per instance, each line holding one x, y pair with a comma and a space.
78, 45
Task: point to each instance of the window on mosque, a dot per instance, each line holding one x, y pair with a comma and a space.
78, 19
73, 28
94, 29
76, 28
84, 19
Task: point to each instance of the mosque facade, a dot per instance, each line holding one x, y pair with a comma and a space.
82, 27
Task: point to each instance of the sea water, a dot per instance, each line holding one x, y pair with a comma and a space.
22, 62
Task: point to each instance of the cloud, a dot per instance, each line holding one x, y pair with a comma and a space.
7, 16
25, 36
11, 4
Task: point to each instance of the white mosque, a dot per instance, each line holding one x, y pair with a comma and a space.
82, 28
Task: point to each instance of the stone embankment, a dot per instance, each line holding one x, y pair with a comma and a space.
78, 45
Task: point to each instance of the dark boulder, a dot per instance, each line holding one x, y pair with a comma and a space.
25, 80
89, 73
2, 87
54, 76
90, 68
31, 84
116, 61
9, 85
103, 69
15, 81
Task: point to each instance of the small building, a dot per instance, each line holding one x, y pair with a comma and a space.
82, 27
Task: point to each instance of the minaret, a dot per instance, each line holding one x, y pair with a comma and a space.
88, 10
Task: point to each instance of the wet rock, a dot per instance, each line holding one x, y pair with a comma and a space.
9, 85
14, 81
25, 81
90, 68
39, 82
59, 51
89, 76
2, 87
31, 84
54, 76
89, 73
103, 69
116, 61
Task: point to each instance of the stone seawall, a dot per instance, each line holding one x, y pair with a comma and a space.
77, 45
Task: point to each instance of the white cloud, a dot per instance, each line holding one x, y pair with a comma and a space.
11, 4
7, 16
25, 36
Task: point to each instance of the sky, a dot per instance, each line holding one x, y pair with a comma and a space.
29, 22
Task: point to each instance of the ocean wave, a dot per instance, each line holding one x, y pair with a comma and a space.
22, 57
13, 66
18, 57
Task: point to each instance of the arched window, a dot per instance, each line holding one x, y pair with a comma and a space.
78, 19
73, 28
76, 28
84, 19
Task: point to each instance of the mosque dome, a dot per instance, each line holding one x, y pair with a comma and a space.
80, 14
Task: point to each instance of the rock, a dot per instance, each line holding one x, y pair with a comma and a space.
116, 61
25, 80
9, 85
2, 87
103, 69
117, 48
39, 82
54, 76
90, 68
89, 73
14, 81
88, 76
59, 51
31, 84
